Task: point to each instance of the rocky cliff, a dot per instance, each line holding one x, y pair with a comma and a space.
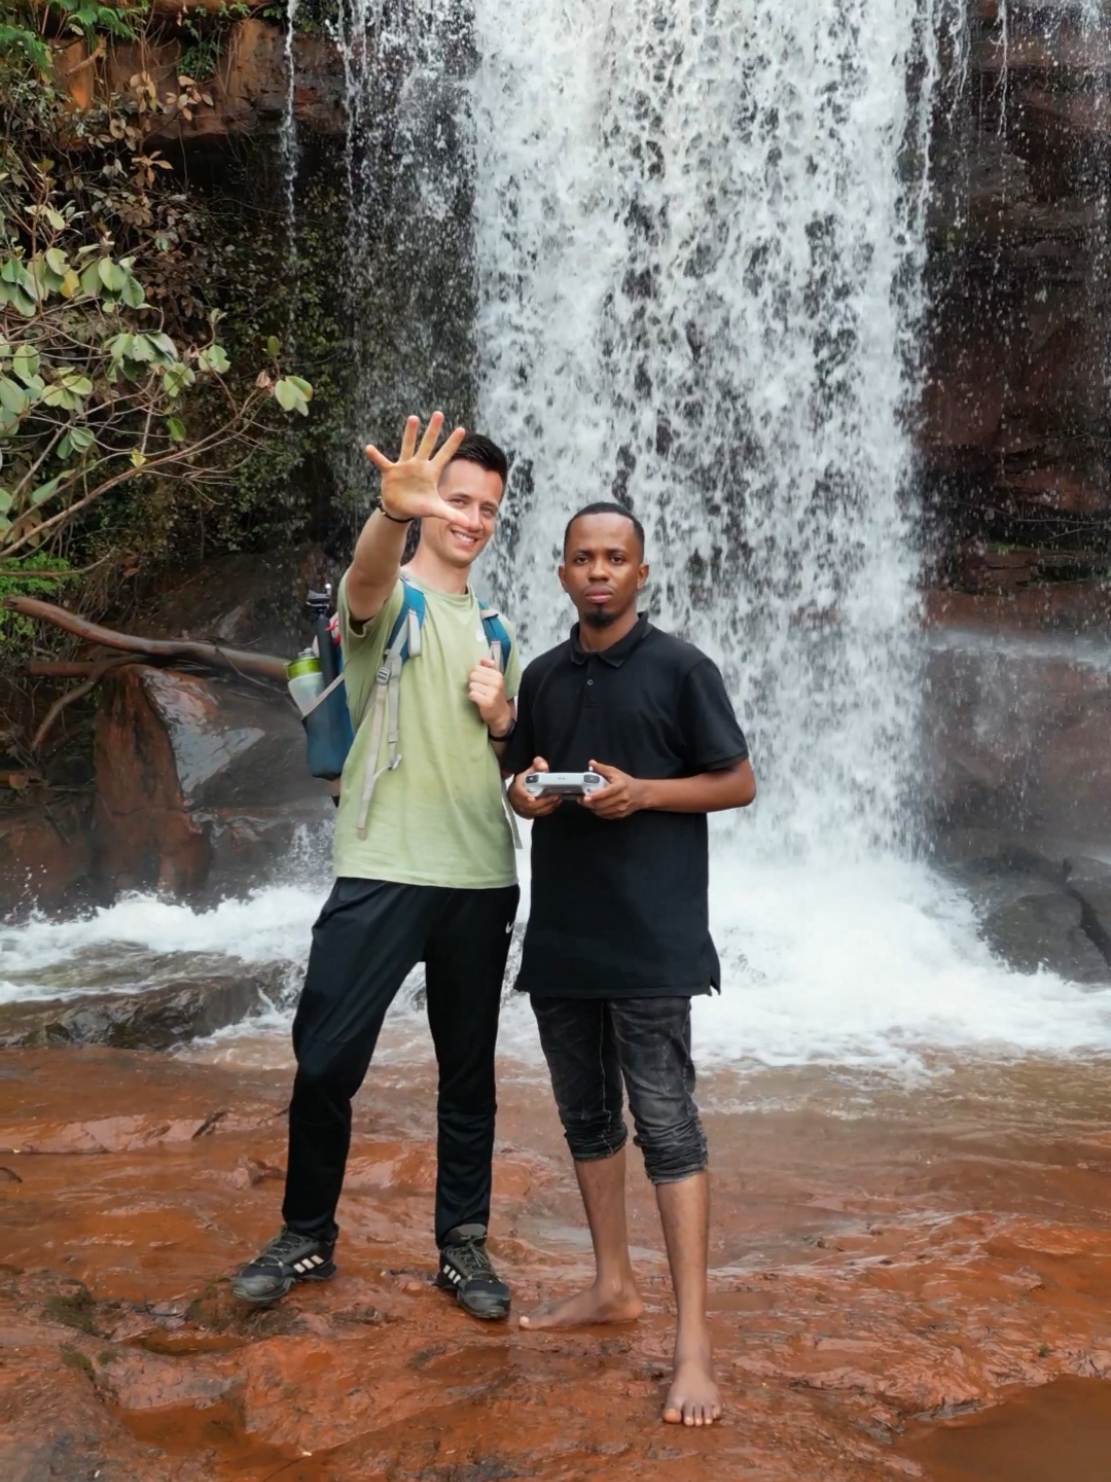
1013, 426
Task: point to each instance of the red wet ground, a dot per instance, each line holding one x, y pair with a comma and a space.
904, 1285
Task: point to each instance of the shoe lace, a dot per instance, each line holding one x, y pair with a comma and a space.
283, 1244
469, 1256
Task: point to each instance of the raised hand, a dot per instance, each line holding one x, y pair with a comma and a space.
410, 487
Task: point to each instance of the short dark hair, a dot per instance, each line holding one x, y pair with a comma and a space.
485, 452
606, 507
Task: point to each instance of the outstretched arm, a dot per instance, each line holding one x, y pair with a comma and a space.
410, 491
707, 792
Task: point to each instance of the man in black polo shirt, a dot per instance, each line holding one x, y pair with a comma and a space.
618, 936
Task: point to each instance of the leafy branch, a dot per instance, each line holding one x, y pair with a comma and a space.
91, 385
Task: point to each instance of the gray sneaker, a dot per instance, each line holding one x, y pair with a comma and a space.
286, 1259
465, 1269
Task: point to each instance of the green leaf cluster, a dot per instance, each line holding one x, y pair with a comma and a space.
28, 578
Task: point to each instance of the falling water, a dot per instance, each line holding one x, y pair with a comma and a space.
700, 239
288, 151
408, 274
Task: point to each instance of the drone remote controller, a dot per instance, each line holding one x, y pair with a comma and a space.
563, 784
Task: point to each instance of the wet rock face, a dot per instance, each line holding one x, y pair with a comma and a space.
45, 854
248, 90
145, 835
1015, 739
1018, 390
158, 1017
1037, 911
1045, 930
200, 787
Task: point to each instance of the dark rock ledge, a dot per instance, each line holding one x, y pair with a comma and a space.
156, 1018
1039, 912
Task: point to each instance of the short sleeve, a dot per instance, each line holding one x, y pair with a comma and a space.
712, 737
521, 747
364, 644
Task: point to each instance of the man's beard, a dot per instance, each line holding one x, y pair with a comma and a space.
596, 617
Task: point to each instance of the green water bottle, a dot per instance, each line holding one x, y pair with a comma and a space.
305, 680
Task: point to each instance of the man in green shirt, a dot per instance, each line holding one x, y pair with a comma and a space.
425, 870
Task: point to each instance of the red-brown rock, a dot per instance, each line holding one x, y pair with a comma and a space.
250, 87
933, 1251
145, 836
45, 852
199, 786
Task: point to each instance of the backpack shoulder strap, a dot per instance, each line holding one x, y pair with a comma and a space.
497, 634
403, 643
411, 618
501, 645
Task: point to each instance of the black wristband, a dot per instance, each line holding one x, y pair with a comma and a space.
383, 510
505, 735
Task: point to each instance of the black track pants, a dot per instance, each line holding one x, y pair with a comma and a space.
369, 936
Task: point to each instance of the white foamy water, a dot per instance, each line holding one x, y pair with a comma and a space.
873, 967
48, 959
872, 964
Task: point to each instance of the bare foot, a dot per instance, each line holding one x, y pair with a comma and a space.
693, 1398
595, 1305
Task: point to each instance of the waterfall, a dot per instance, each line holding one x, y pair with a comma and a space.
288, 157
407, 264
699, 245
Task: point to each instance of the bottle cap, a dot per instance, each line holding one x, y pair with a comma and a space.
303, 664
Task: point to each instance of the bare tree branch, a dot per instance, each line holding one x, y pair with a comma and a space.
233, 660
98, 672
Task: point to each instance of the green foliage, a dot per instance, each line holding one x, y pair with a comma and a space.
284, 489
25, 26
293, 394
73, 1307
312, 18
34, 50
29, 578
90, 386
73, 1358
87, 19
204, 34
119, 281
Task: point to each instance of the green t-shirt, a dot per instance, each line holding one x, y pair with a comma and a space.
438, 818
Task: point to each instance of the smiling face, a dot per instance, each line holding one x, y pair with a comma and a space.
476, 494
603, 568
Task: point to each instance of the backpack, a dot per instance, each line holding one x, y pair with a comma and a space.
328, 724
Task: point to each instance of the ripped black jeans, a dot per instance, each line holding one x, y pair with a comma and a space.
590, 1044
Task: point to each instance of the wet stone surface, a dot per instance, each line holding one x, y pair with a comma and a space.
156, 1016
880, 1260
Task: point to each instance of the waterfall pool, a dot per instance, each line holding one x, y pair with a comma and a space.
870, 970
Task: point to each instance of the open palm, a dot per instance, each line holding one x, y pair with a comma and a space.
411, 486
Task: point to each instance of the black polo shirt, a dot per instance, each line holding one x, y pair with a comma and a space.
619, 906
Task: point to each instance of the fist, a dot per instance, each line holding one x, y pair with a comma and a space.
486, 692
523, 802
